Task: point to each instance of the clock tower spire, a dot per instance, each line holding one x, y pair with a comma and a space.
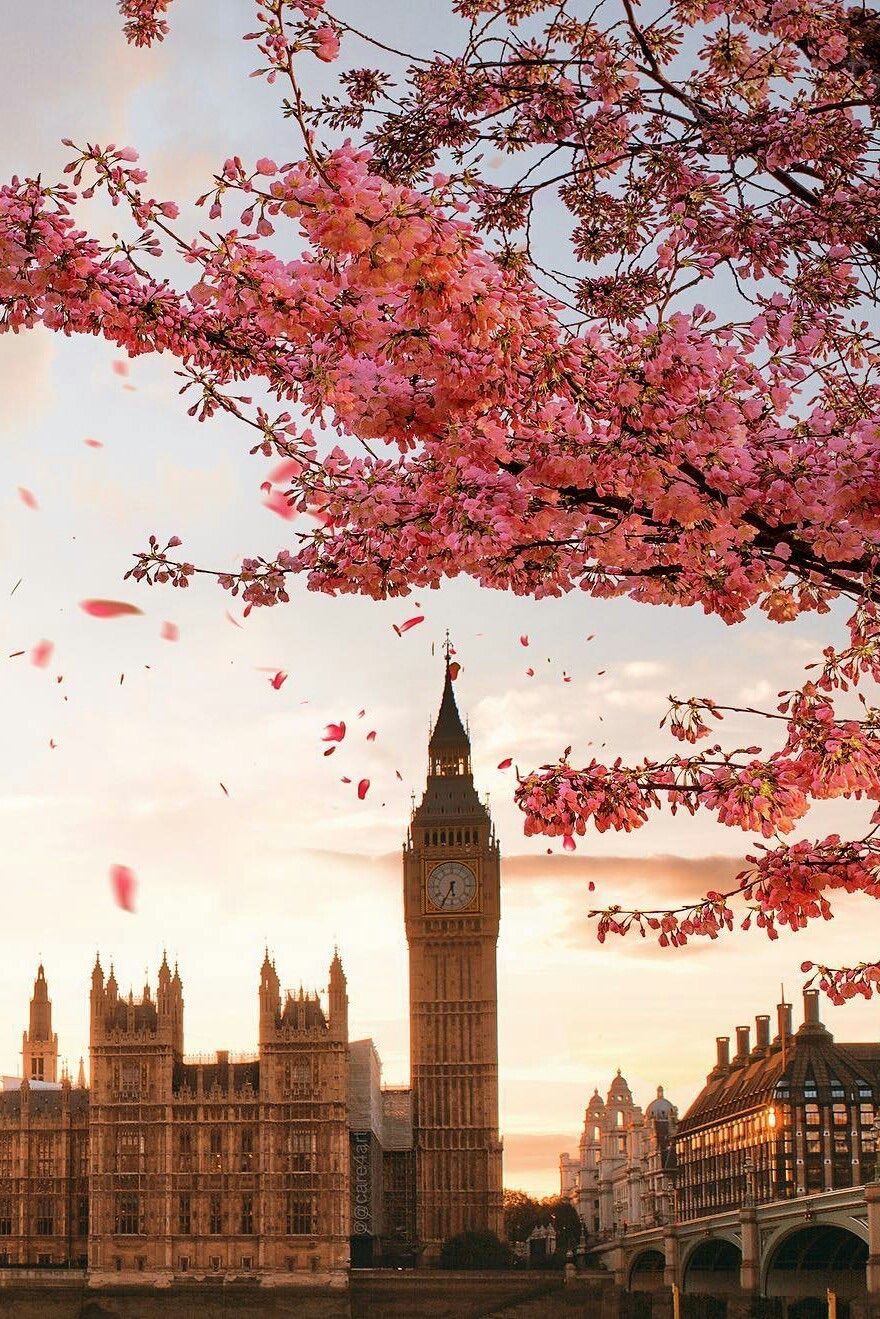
452, 907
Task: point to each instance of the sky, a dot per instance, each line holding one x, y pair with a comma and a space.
147, 730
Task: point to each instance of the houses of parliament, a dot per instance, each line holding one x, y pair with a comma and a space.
284, 1166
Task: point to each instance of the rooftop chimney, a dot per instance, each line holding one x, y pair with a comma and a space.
783, 1021
811, 1007
762, 1035
742, 1044
722, 1043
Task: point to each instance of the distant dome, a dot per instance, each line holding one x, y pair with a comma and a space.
660, 1108
596, 1104
619, 1093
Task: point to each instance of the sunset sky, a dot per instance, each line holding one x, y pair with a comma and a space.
290, 856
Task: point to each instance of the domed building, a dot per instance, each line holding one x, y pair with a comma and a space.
619, 1180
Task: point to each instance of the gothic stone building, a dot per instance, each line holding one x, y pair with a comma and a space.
166, 1168
619, 1182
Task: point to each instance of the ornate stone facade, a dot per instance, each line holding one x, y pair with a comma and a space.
619, 1181
451, 871
166, 1168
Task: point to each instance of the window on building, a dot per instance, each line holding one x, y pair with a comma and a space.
183, 1264
45, 1216
215, 1216
216, 1147
247, 1149
6, 1216
301, 1150
131, 1078
42, 1150
184, 1149
6, 1148
298, 1075
128, 1213
216, 1263
82, 1216
247, 1263
37, 1069
130, 1150
247, 1215
184, 1214
300, 1214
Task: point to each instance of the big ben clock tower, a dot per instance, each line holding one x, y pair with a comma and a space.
451, 892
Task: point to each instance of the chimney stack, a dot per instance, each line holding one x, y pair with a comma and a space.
811, 1007
722, 1043
783, 1021
762, 1034
742, 1044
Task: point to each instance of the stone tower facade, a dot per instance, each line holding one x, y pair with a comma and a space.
39, 1047
451, 879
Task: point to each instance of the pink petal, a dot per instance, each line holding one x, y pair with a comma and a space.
329, 751
361, 714
363, 788
108, 608
524, 641
454, 670
120, 367
41, 654
334, 733
123, 883
530, 673
27, 497
568, 842
371, 736
505, 764
170, 632
277, 503
399, 775
279, 680
410, 622
286, 470
345, 780
94, 444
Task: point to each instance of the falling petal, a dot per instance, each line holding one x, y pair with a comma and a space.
93, 444
568, 842
591, 886
14, 654
27, 497
41, 654
361, 714
345, 780
566, 679
371, 736
334, 733
399, 775
52, 744
108, 608
123, 883
524, 641
224, 787
454, 670
591, 636
170, 632
329, 751
530, 673
266, 487
120, 367
233, 621
16, 586
599, 674
363, 788
286, 470
505, 764
279, 680
277, 503
410, 622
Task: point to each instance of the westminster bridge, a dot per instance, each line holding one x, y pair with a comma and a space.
793, 1248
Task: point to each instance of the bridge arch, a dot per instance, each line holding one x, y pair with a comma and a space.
646, 1270
805, 1260
712, 1265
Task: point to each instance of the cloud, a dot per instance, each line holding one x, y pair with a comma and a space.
643, 669
660, 876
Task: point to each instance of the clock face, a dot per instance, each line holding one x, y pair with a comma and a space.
451, 886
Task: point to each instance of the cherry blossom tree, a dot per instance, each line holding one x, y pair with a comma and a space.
446, 386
